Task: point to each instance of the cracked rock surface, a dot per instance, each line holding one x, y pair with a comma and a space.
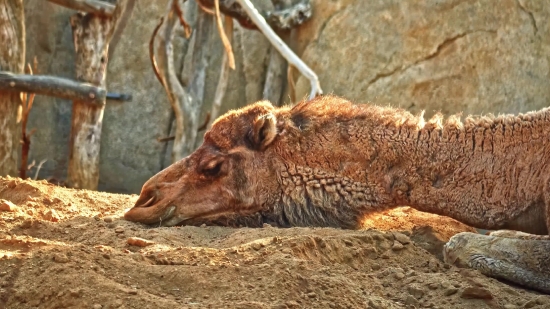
451, 56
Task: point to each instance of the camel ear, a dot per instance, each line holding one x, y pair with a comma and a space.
264, 131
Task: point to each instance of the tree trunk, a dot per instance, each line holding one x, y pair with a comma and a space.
91, 35
12, 58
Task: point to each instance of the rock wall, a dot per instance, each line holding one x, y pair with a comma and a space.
490, 56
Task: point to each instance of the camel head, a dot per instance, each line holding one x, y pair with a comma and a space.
230, 173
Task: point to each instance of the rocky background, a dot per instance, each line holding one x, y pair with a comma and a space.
475, 57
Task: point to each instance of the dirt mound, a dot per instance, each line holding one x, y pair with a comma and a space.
64, 248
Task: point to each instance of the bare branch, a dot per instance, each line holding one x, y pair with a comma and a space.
53, 86
38, 168
285, 51
100, 8
166, 139
177, 95
152, 52
280, 19
198, 65
224, 73
26, 105
223, 36
187, 29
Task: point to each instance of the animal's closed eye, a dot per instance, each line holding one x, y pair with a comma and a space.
212, 169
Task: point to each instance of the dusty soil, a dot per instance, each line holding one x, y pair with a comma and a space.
63, 248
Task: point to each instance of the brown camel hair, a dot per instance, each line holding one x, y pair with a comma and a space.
328, 162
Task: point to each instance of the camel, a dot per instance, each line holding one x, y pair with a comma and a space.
328, 162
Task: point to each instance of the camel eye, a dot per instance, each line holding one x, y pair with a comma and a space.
212, 169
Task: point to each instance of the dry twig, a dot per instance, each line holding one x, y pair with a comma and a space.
38, 168
223, 36
152, 52
27, 100
187, 29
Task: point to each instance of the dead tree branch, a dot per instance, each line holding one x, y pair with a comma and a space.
27, 100
152, 52
199, 65
285, 51
99, 8
223, 36
224, 73
186, 28
165, 70
53, 86
279, 19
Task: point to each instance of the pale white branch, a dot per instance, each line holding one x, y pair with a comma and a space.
285, 51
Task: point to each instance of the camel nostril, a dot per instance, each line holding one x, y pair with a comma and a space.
147, 203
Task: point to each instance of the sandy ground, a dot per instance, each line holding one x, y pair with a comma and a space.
64, 248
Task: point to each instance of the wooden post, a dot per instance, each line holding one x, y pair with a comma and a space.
12, 58
91, 35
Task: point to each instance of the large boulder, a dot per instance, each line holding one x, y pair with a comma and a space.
476, 57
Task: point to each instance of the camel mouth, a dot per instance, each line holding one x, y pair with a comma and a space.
151, 214
173, 221
170, 219
158, 213
168, 214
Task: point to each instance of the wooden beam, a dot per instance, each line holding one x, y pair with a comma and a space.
53, 86
99, 8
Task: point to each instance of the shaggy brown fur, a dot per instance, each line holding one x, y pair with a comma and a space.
328, 162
